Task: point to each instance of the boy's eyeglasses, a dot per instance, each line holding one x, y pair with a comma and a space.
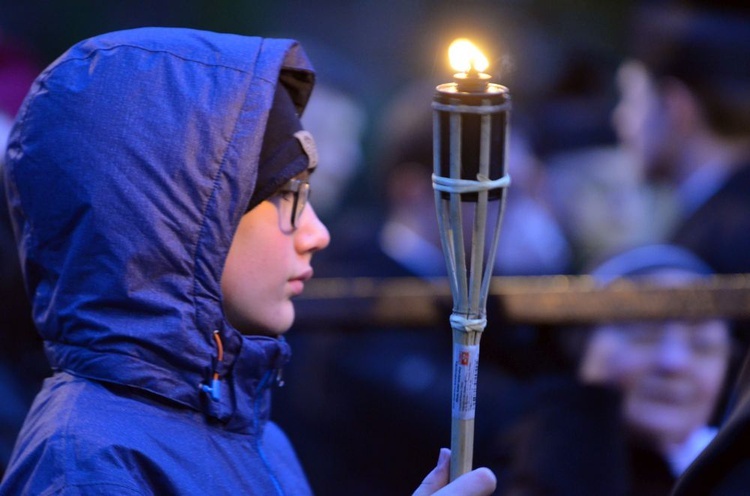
293, 196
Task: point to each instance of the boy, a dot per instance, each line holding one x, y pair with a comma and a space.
158, 181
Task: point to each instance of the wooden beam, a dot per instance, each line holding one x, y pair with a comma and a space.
553, 300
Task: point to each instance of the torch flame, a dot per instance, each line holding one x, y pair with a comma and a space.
464, 56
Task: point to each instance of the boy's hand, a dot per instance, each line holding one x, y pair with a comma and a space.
478, 482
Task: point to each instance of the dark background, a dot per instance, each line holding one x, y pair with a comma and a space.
383, 43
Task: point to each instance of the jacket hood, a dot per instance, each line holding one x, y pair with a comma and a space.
131, 162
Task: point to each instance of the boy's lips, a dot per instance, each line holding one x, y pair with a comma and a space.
297, 283
304, 276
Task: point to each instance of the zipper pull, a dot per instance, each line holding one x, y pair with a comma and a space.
215, 388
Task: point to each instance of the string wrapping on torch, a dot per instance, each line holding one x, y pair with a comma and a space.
461, 323
455, 185
453, 252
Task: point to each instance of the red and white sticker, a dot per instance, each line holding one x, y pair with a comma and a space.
465, 369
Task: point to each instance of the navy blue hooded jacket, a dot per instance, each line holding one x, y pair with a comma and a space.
129, 167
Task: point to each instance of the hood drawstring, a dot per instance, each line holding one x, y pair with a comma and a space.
280, 377
215, 388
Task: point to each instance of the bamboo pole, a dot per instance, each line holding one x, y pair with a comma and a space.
464, 396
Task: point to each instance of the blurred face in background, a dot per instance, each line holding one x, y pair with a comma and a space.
641, 121
670, 373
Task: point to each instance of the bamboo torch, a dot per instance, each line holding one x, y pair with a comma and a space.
470, 126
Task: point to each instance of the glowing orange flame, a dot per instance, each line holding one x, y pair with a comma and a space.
464, 56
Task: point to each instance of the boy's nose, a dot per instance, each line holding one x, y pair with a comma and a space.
312, 235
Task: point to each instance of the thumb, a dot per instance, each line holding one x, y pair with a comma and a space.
478, 482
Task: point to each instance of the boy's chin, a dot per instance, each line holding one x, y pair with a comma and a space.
271, 329
271, 333
269, 323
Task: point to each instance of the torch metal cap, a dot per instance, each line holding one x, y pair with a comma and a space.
493, 95
464, 85
473, 82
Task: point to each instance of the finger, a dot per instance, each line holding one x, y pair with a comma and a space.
438, 477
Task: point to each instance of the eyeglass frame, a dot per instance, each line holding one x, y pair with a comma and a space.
300, 188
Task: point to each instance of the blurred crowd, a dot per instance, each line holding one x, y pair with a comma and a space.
625, 163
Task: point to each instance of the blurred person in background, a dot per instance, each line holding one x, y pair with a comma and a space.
593, 188
639, 404
685, 111
705, 102
598, 198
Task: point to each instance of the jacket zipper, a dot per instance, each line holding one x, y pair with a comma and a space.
214, 389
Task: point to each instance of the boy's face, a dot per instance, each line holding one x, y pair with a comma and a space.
268, 263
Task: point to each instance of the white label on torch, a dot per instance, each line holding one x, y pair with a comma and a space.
465, 368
